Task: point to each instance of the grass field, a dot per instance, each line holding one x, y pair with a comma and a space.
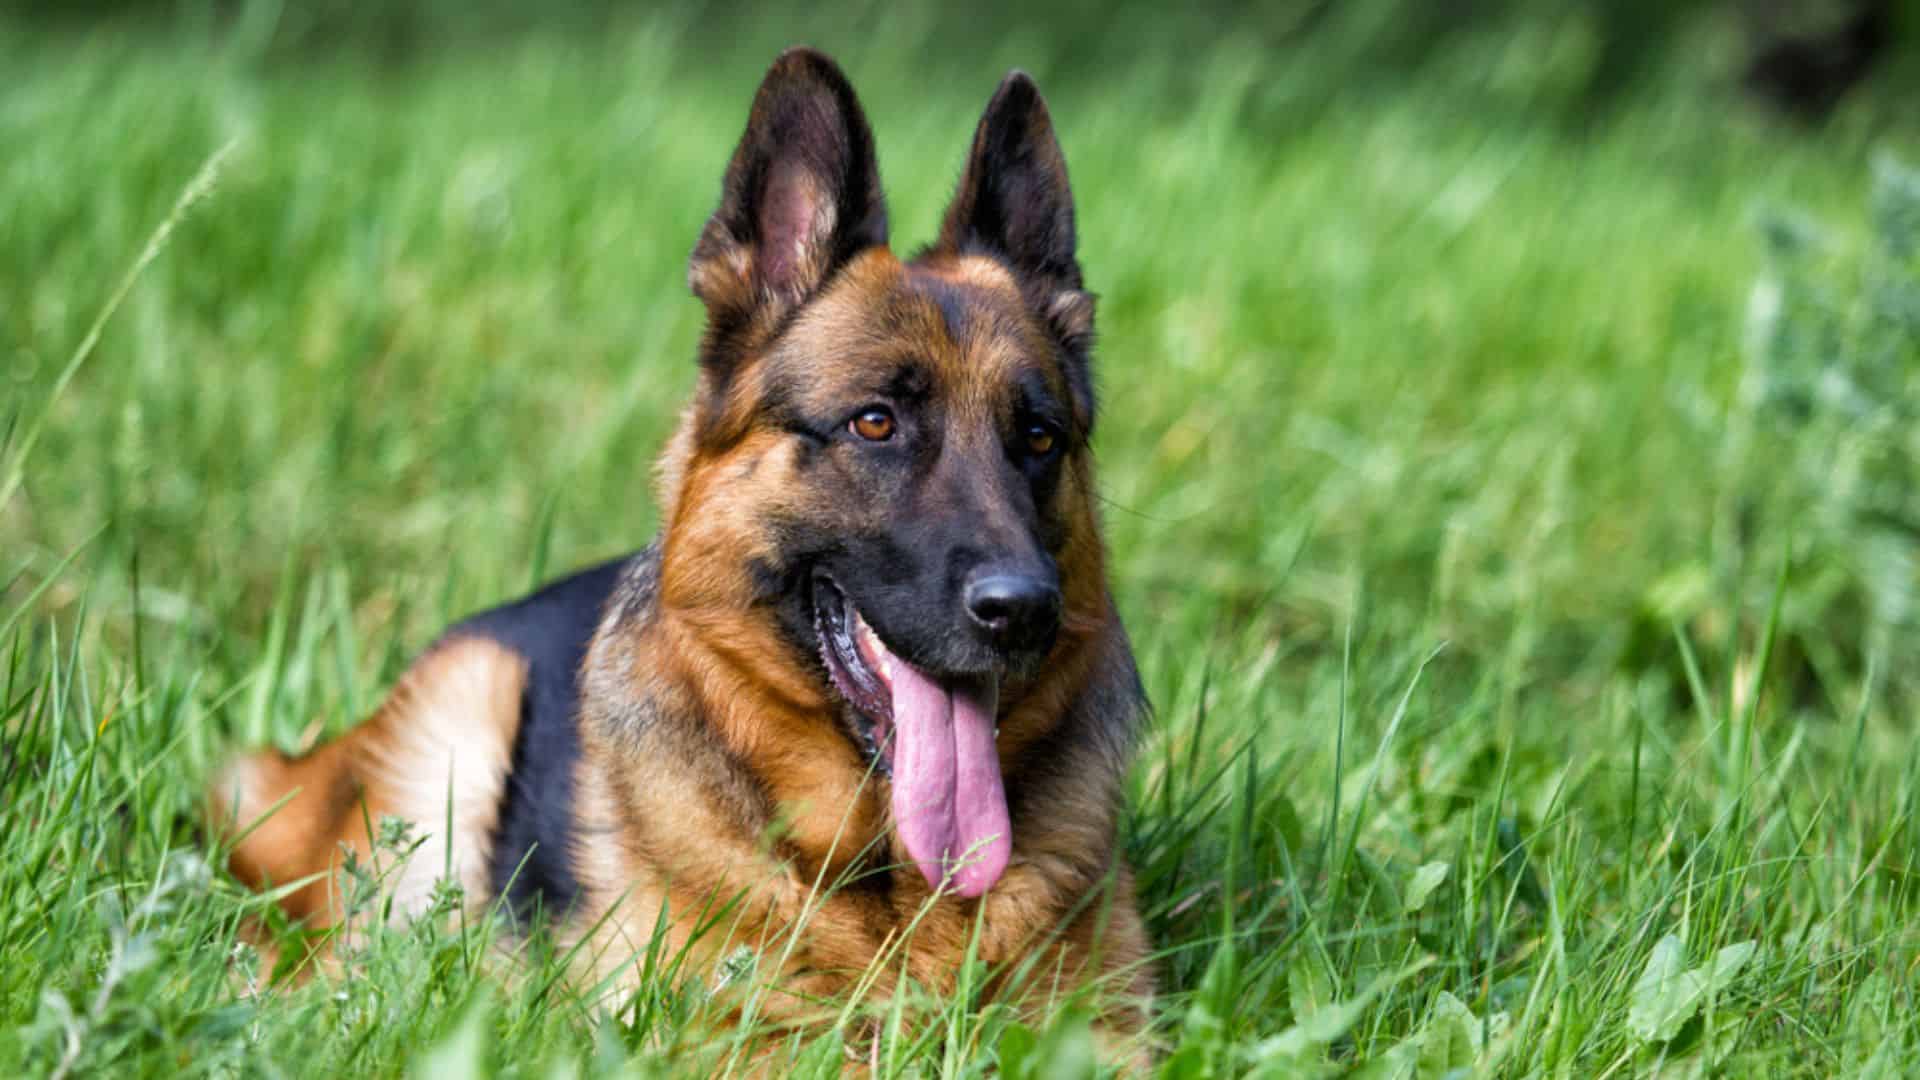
1495, 730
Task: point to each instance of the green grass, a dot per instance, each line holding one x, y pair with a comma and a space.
1419, 387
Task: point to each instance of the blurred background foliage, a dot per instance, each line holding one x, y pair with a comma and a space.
1803, 55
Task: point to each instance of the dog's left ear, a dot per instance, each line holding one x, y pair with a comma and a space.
1014, 203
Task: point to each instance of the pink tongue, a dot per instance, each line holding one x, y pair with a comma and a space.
948, 801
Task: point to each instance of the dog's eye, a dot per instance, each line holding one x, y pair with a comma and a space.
1040, 440
873, 425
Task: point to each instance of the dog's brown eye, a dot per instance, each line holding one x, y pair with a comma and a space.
1039, 440
873, 425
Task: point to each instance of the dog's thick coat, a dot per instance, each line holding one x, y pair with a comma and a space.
881, 495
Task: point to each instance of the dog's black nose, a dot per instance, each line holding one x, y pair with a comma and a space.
1019, 609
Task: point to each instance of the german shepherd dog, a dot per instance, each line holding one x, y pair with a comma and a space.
865, 703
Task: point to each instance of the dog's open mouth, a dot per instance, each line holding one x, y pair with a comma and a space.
934, 737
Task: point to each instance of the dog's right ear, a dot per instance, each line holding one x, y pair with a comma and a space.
800, 198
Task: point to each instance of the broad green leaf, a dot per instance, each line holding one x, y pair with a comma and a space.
1311, 1033
1425, 880
1309, 989
1187, 1063
1400, 1062
1279, 812
1665, 997
1885, 1064
1066, 1053
1015, 1052
1655, 1012
462, 1055
1205, 1024
1866, 1027
1449, 1040
1727, 963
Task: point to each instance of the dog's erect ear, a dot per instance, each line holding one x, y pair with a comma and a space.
801, 197
1013, 199
1014, 203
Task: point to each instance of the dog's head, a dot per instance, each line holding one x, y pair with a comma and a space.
883, 484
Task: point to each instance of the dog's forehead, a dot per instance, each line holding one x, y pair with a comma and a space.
959, 322
978, 299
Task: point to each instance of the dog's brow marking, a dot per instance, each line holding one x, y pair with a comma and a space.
954, 306
909, 382
982, 316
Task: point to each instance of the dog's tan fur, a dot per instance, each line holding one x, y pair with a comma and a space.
437, 751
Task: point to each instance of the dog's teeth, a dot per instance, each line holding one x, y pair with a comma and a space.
871, 650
